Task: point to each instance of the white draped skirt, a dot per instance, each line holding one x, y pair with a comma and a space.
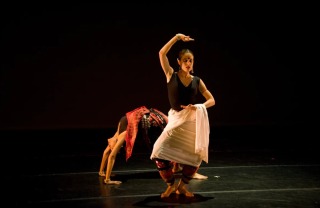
177, 143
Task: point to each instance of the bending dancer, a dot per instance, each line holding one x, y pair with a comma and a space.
185, 139
141, 122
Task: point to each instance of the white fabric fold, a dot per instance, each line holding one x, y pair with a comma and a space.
185, 139
202, 132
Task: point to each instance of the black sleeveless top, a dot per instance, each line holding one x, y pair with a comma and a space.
180, 94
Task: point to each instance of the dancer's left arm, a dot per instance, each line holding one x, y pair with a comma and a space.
210, 101
112, 158
207, 94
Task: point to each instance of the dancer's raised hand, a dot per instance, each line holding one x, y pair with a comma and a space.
184, 38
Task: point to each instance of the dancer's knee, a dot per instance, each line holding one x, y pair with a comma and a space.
163, 164
188, 172
165, 171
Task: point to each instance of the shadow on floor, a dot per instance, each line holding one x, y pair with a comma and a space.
171, 201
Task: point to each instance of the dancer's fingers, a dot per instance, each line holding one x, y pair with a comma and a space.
187, 38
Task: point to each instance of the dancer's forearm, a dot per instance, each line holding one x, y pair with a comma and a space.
111, 160
164, 50
105, 156
209, 103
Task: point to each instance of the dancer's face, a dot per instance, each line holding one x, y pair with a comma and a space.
186, 62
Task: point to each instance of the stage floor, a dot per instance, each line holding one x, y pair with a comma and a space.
241, 173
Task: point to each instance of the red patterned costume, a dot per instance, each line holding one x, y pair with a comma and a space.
148, 118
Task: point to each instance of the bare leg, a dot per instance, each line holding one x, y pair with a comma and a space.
105, 156
112, 158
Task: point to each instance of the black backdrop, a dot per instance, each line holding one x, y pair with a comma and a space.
86, 65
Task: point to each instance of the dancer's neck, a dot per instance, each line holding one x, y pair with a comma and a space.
184, 74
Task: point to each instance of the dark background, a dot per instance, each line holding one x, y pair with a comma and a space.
69, 72
83, 66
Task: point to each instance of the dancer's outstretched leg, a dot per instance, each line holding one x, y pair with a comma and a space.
166, 174
187, 174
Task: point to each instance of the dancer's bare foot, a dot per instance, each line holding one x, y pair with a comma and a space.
169, 190
182, 190
199, 176
102, 174
110, 182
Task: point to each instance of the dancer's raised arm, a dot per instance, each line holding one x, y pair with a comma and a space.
164, 50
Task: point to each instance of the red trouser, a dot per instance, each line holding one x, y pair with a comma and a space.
167, 175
